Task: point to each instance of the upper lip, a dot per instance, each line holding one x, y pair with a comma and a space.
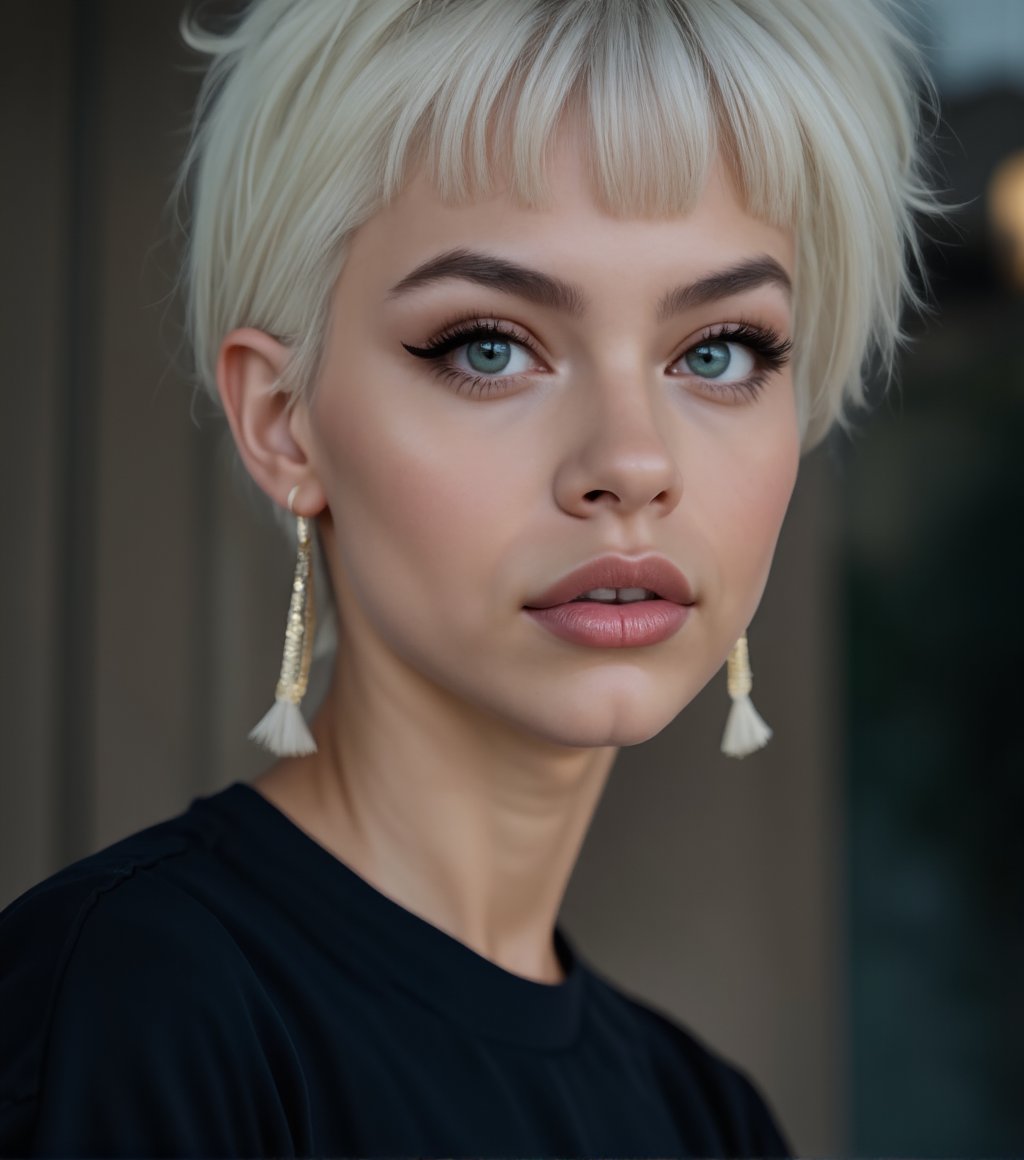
654, 573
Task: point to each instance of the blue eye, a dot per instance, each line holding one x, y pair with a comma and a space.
484, 355
489, 355
712, 359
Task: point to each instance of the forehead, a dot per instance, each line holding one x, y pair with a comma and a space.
571, 231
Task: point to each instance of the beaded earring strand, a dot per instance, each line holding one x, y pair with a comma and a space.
283, 730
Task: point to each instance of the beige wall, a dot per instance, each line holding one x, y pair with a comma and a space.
145, 597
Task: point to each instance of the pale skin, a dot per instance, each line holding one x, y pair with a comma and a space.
463, 748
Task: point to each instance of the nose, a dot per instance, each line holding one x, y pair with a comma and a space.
618, 458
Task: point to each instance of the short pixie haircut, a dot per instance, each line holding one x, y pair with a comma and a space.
314, 113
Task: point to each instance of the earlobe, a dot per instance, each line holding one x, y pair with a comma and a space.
249, 368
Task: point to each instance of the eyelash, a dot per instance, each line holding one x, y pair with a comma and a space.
769, 348
461, 333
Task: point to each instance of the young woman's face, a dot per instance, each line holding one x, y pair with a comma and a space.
508, 394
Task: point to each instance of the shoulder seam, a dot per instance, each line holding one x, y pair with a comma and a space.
14, 1101
118, 878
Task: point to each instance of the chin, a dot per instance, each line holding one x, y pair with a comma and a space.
621, 720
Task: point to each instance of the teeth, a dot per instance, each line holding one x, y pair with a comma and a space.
618, 595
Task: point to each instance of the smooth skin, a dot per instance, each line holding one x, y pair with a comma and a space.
462, 747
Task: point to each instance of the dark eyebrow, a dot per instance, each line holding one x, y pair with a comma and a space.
546, 290
748, 275
498, 274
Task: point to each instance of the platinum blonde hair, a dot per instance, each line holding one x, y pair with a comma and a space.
313, 113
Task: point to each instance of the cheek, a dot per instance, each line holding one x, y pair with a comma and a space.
745, 494
762, 494
415, 500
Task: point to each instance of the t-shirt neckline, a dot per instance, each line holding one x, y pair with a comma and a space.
374, 934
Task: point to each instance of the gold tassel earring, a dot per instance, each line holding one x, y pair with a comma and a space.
745, 731
283, 730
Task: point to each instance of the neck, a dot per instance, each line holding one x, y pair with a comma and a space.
472, 826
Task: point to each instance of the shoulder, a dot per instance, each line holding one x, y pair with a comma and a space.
683, 1061
119, 958
112, 942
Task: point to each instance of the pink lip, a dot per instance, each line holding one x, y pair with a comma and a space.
642, 622
654, 573
613, 625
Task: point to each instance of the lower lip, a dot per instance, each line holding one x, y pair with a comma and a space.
599, 625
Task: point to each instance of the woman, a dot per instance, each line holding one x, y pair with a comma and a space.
523, 313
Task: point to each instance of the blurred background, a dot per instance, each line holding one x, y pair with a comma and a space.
843, 913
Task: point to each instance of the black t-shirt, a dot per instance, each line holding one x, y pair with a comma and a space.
221, 985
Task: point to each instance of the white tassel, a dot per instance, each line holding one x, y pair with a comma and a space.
745, 730
283, 730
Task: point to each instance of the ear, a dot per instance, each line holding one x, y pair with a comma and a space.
272, 441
